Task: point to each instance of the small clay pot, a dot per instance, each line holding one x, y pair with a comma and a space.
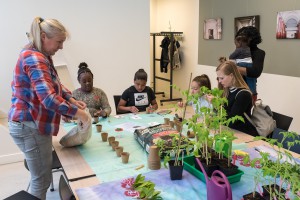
190, 134
167, 121
104, 136
148, 110
119, 150
125, 157
99, 128
96, 119
172, 124
153, 158
111, 139
178, 126
114, 144
175, 120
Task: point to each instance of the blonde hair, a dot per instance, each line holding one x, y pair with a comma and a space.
51, 27
228, 68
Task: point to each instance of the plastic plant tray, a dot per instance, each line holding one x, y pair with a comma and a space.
189, 166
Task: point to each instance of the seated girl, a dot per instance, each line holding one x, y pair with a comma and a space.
138, 97
95, 98
196, 84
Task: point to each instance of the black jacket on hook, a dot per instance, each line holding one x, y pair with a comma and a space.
164, 59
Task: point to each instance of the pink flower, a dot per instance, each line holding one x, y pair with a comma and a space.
127, 183
132, 193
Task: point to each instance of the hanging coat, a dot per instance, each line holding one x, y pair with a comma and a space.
164, 59
176, 57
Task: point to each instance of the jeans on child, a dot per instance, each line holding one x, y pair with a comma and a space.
251, 82
37, 149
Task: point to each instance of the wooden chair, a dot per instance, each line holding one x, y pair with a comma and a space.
22, 195
56, 167
282, 121
65, 191
279, 137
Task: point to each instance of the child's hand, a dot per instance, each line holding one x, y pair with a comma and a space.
133, 109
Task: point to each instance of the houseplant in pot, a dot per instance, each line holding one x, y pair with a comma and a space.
173, 154
214, 139
279, 174
180, 144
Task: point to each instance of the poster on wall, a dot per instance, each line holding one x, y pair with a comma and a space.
212, 29
288, 26
240, 22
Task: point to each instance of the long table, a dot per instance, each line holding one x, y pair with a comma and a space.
95, 162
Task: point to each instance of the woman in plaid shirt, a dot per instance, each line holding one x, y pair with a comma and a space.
39, 100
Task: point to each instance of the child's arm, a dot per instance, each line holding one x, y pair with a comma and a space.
122, 107
154, 105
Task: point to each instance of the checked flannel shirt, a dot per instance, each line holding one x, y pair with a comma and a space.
37, 94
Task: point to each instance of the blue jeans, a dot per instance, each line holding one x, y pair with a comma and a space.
251, 82
37, 149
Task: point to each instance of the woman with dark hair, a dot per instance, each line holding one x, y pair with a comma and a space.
95, 98
139, 96
257, 55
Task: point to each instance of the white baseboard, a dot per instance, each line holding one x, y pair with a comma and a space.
9, 151
11, 158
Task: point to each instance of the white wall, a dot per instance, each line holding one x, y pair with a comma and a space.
183, 17
112, 36
9, 152
280, 92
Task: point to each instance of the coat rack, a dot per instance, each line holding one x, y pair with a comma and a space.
171, 36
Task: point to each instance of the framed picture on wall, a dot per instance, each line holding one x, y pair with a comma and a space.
212, 29
288, 26
240, 22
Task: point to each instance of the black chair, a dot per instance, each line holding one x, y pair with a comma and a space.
282, 121
56, 167
279, 137
64, 189
22, 195
117, 100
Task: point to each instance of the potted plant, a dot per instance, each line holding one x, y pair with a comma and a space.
214, 138
278, 175
174, 152
209, 126
179, 143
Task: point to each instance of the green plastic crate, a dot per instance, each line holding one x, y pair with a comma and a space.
189, 166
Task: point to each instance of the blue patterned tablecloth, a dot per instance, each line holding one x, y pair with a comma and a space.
100, 156
111, 172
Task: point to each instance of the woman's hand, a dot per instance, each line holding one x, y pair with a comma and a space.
80, 104
242, 71
66, 119
83, 117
